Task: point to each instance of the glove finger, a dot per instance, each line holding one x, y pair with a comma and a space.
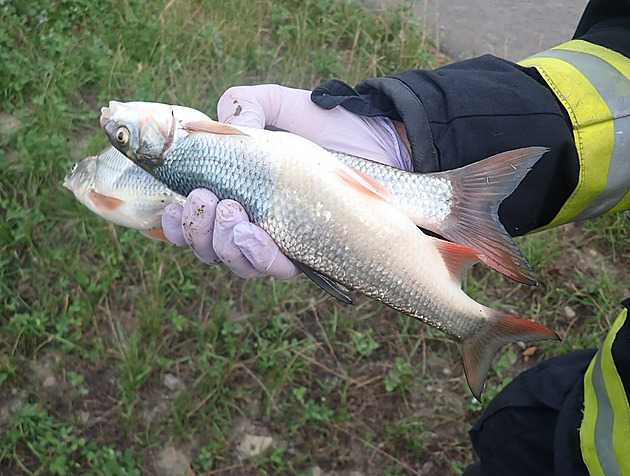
228, 214
242, 106
172, 224
198, 223
262, 252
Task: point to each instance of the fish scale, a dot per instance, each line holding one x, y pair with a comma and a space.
340, 222
262, 180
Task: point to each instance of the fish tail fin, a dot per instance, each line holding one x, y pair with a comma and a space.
479, 189
478, 350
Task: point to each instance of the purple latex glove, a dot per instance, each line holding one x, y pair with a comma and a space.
220, 231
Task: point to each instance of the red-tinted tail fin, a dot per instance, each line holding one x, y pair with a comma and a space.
478, 350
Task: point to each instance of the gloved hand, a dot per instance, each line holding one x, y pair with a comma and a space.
220, 231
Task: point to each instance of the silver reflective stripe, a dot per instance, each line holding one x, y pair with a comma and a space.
614, 88
604, 423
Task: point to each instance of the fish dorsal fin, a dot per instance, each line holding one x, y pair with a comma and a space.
458, 258
104, 202
212, 127
363, 183
157, 235
332, 287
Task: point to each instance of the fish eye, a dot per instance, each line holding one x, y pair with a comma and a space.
73, 169
122, 135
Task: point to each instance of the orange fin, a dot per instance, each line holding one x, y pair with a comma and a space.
212, 127
157, 235
363, 183
104, 202
479, 189
478, 350
458, 258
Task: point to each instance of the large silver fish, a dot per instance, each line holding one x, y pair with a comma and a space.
115, 188
328, 217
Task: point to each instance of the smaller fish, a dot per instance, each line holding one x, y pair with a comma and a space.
116, 189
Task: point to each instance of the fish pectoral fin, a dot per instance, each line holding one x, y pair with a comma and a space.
336, 290
212, 127
157, 235
458, 258
478, 350
104, 202
363, 183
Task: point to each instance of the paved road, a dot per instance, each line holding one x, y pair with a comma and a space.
512, 29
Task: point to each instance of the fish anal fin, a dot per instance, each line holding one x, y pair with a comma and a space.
458, 258
363, 183
212, 127
157, 235
104, 202
478, 351
336, 290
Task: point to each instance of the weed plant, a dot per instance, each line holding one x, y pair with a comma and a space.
117, 351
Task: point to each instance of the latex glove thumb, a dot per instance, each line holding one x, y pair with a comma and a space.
277, 107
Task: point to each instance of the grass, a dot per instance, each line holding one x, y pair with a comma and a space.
115, 349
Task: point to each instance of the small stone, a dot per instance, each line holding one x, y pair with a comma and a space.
9, 124
253, 445
316, 471
172, 462
569, 312
49, 381
172, 382
83, 417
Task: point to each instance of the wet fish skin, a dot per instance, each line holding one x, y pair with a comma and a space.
460, 205
327, 216
116, 189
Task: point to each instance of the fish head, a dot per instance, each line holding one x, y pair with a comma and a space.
80, 178
141, 131
144, 131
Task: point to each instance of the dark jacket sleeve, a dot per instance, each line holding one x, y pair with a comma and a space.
467, 111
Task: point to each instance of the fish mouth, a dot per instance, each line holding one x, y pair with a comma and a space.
107, 113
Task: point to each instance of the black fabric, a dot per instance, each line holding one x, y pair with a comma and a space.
531, 427
475, 109
606, 23
486, 105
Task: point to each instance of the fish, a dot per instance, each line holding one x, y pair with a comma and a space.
460, 205
330, 218
116, 189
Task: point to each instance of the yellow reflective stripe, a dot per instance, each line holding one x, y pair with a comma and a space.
570, 85
587, 430
618, 60
605, 430
624, 204
614, 88
593, 84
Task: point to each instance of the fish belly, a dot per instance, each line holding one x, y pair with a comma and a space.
368, 245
